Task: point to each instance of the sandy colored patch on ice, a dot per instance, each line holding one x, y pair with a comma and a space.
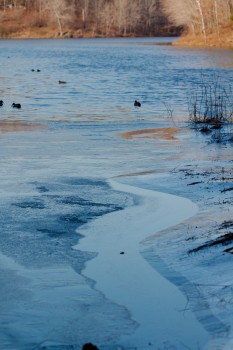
158, 133
16, 126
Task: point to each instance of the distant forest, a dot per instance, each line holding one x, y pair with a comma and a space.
67, 18
200, 17
87, 17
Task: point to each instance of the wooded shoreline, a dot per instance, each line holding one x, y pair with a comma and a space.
206, 23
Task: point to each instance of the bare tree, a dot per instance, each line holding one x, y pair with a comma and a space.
59, 11
199, 16
117, 17
107, 17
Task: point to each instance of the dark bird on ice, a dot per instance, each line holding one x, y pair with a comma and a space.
137, 104
1, 103
16, 105
89, 346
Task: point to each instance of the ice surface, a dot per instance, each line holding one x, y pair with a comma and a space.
154, 303
54, 182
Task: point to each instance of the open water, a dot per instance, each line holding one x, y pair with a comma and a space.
53, 179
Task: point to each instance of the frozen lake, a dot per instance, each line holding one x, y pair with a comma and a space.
54, 180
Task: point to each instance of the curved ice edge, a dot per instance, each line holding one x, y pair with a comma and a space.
217, 329
182, 208
195, 302
125, 277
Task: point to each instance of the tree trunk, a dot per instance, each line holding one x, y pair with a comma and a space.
216, 16
203, 28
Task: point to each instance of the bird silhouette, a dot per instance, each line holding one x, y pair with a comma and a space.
137, 104
89, 346
16, 105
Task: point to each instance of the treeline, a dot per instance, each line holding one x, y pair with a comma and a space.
200, 17
96, 17
115, 17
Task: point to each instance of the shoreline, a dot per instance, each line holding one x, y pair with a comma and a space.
119, 267
212, 41
177, 42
